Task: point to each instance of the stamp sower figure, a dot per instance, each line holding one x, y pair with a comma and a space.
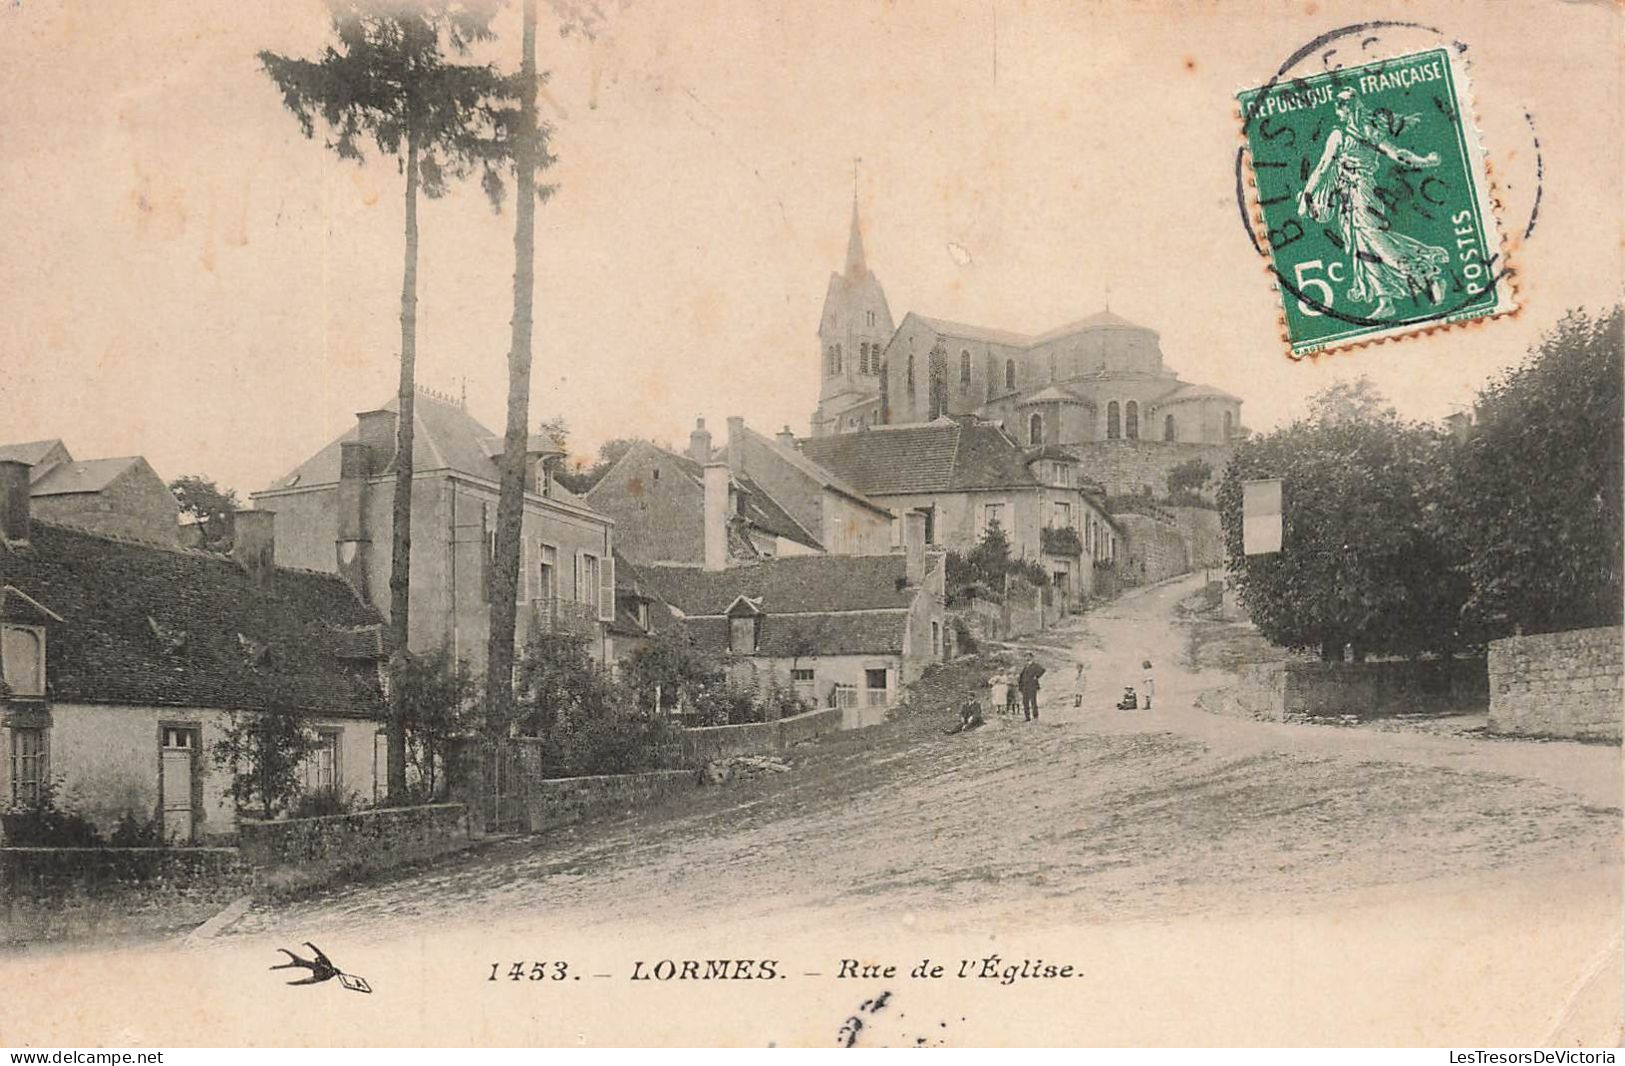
1148, 684
1385, 265
1027, 682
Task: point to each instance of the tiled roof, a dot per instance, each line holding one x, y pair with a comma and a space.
90, 475
30, 452
786, 585
147, 625
1195, 392
1098, 320
804, 635
823, 475
940, 456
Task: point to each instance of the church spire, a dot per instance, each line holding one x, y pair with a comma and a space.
855, 266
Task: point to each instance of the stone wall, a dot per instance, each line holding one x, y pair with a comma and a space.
1203, 536
701, 746
564, 801
1155, 550
71, 893
1282, 691
1126, 467
1557, 684
299, 852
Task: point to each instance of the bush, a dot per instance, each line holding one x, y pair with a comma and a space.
964, 638
42, 824
134, 832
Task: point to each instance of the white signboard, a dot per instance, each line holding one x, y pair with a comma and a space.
1261, 516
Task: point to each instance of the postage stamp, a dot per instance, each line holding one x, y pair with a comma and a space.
1370, 188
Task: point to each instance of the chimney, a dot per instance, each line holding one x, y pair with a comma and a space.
354, 540
786, 439
716, 516
699, 442
736, 444
378, 431
254, 545
14, 500
914, 546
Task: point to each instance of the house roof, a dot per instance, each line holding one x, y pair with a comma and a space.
169, 627
803, 635
802, 584
444, 437
947, 455
90, 475
30, 452
829, 479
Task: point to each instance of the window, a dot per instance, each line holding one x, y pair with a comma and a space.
993, 515
1114, 424
1059, 579
28, 764
930, 524
588, 580
874, 683
1009, 375
871, 318
22, 659
1062, 518
964, 367
909, 378
837, 358
1168, 428
641, 613
936, 639
937, 373
742, 634
863, 358
1229, 424
1131, 420
1035, 430
802, 681
322, 764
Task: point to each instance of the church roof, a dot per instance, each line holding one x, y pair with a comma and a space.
855, 266
1098, 321
1188, 391
1054, 394
942, 456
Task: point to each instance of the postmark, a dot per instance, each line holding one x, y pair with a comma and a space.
1370, 189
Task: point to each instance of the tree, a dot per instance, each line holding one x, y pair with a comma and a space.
263, 751
529, 150
1189, 477
1533, 496
212, 507
1359, 563
387, 80
433, 696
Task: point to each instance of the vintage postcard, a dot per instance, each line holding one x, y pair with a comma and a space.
574, 523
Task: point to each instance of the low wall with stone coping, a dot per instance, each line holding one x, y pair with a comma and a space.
299, 852
1284, 690
703, 745
1558, 684
560, 801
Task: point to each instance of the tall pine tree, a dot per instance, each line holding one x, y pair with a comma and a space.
387, 79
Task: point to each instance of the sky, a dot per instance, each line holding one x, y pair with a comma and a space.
188, 278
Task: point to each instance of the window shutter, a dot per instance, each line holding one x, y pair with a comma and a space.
606, 591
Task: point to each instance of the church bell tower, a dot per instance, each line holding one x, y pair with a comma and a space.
852, 336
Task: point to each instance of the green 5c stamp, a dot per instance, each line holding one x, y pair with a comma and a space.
1370, 188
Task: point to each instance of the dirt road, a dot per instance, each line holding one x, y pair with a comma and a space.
1285, 883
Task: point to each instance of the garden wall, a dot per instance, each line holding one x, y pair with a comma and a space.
57, 893
703, 745
1279, 691
305, 851
561, 801
1557, 684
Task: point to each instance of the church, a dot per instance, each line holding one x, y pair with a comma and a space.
1095, 382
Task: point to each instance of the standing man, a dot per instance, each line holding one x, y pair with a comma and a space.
1027, 682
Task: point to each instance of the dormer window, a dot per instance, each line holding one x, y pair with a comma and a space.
742, 634
22, 659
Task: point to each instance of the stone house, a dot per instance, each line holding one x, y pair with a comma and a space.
843, 630
778, 502
335, 514
965, 474
124, 661
122, 496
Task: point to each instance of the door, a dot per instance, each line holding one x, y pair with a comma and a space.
179, 755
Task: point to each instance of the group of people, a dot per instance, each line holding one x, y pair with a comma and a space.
1004, 690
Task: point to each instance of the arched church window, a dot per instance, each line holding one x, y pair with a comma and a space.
1168, 428
964, 367
1114, 422
837, 358
1010, 375
1229, 425
937, 375
871, 318
1131, 420
992, 376
908, 380
863, 358
1035, 430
